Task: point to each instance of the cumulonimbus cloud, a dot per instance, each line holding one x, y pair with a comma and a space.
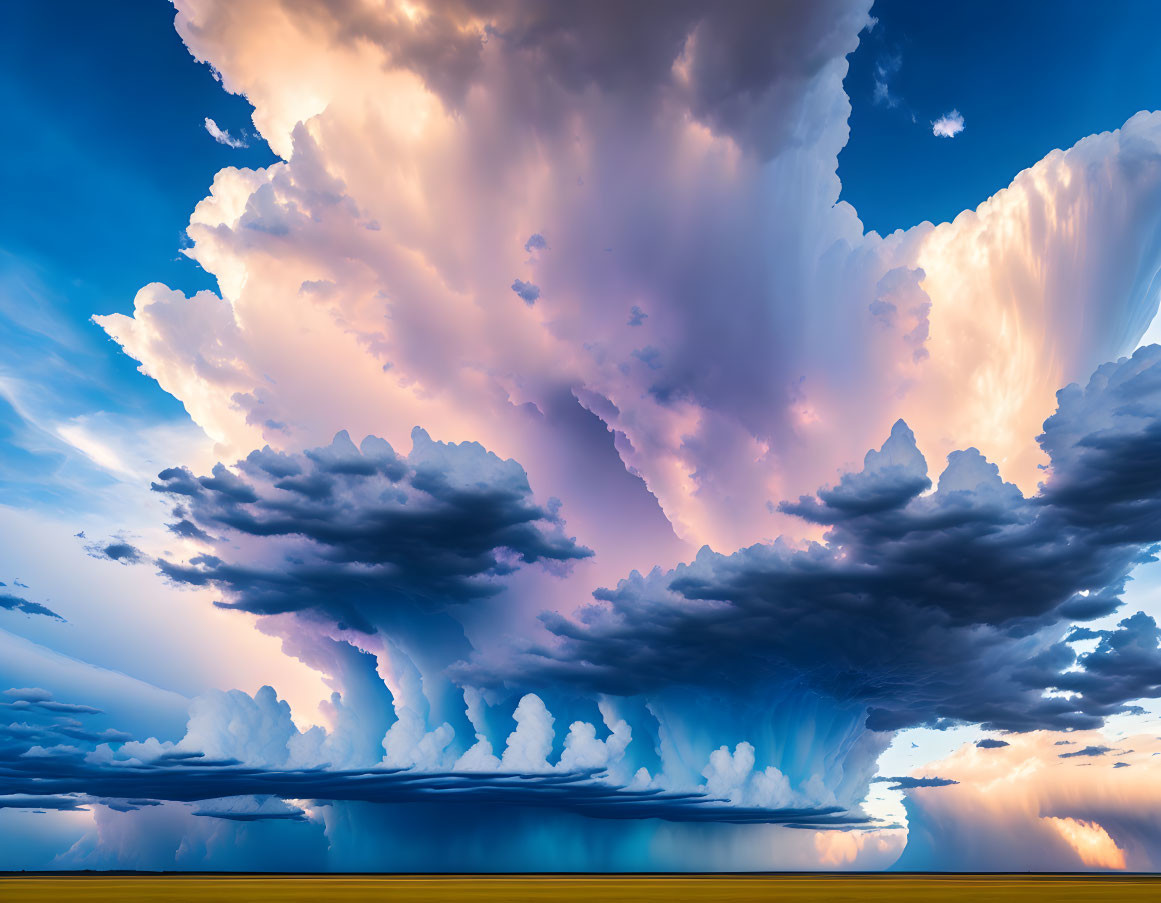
719, 219
841, 628
710, 331
976, 569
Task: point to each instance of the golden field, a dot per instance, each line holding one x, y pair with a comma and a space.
437, 889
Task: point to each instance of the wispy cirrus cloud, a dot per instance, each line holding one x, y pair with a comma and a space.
222, 136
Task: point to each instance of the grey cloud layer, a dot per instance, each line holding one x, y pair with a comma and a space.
38, 771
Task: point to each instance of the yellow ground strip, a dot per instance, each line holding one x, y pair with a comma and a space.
672, 889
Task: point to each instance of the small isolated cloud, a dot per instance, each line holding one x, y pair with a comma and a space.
15, 603
1087, 751
536, 242
887, 66
249, 808
992, 743
910, 783
222, 136
115, 550
636, 316
948, 125
526, 290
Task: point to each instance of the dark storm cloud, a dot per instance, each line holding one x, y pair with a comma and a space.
16, 603
280, 811
350, 532
1088, 751
26, 801
1126, 664
926, 607
57, 777
35, 775
907, 783
743, 71
115, 550
129, 805
188, 530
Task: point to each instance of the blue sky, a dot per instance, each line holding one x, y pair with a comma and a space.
1027, 77
108, 156
112, 152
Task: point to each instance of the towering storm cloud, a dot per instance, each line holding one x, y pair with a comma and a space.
629, 591
919, 607
356, 532
423, 150
973, 569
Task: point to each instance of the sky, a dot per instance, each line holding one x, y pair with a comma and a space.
470, 437
1024, 80
98, 187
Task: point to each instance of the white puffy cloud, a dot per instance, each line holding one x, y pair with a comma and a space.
409, 744
479, 757
254, 729
731, 776
583, 751
529, 745
726, 771
948, 125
